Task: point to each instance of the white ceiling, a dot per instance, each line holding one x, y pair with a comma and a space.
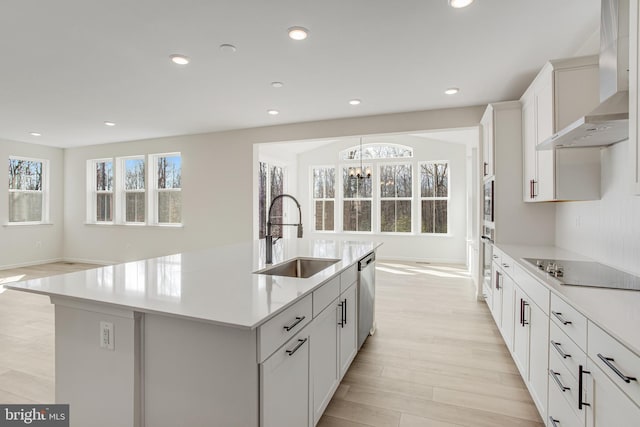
69, 65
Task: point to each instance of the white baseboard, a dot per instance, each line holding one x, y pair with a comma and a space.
30, 263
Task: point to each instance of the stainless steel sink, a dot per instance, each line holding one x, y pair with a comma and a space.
299, 267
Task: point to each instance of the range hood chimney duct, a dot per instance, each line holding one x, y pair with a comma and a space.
609, 122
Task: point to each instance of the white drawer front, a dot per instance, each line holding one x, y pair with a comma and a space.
497, 255
285, 325
560, 376
616, 361
570, 321
347, 277
326, 293
560, 410
567, 351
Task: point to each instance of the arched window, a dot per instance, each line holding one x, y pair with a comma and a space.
377, 151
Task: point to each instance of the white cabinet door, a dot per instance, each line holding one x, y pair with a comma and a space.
496, 308
529, 148
538, 356
488, 142
508, 310
284, 384
634, 78
348, 330
521, 333
544, 104
324, 358
609, 406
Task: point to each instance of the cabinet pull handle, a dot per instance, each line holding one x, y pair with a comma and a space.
554, 422
580, 387
495, 256
345, 311
498, 275
531, 189
294, 349
523, 304
534, 188
556, 377
294, 324
560, 318
557, 345
484, 168
607, 361
341, 323
505, 265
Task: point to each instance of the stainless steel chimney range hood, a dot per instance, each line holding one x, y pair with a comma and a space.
609, 122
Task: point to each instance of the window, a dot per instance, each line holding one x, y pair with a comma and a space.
168, 192
102, 176
434, 193
357, 198
377, 151
395, 198
134, 190
324, 193
270, 185
27, 190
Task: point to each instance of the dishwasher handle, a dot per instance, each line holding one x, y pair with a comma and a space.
364, 262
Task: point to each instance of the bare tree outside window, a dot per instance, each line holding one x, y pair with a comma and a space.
434, 192
104, 191
26, 197
270, 185
134, 190
324, 188
357, 198
395, 198
169, 189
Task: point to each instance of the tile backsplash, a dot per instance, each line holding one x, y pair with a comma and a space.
607, 230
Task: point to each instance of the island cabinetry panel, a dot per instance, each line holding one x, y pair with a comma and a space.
348, 328
284, 384
198, 374
563, 91
283, 326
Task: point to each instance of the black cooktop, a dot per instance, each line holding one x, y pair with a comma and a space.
586, 273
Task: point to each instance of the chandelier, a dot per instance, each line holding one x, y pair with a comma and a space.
360, 172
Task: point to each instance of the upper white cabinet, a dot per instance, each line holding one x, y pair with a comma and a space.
488, 142
563, 91
634, 76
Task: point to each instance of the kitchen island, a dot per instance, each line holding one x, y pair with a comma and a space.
198, 339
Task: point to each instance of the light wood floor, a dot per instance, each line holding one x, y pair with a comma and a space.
436, 360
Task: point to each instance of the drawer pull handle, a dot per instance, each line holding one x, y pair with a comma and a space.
556, 377
505, 265
295, 323
345, 312
580, 386
554, 422
495, 256
294, 349
341, 322
560, 318
557, 345
607, 361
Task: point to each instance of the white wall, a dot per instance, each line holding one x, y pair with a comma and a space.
218, 182
450, 248
32, 244
607, 230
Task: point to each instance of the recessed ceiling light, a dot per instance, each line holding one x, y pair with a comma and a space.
35, 134
179, 59
460, 3
298, 33
452, 91
107, 123
277, 84
228, 48
355, 102
273, 112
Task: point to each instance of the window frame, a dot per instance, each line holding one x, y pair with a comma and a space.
434, 198
153, 197
122, 191
381, 199
345, 166
323, 199
45, 215
92, 191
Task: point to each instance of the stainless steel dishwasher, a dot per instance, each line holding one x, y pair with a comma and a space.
366, 297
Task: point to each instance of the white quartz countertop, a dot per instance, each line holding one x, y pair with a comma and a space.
615, 311
214, 285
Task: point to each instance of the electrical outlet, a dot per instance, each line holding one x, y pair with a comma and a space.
107, 338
